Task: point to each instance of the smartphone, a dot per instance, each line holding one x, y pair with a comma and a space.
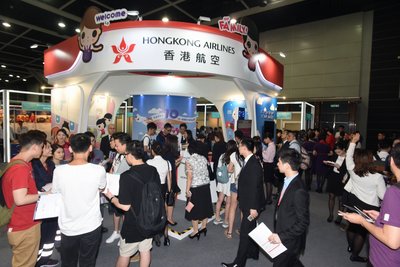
356, 209
250, 218
369, 219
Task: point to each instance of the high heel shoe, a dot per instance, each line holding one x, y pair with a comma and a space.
167, 242
204, 231
195, 235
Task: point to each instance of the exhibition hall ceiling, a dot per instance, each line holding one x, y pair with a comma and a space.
42, 23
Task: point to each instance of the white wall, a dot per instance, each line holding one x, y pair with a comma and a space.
323, 58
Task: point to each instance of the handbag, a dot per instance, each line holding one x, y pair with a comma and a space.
170, 199
189, 206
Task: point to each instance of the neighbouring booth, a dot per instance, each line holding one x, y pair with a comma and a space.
164, 67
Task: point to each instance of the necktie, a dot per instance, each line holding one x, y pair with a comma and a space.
280, 197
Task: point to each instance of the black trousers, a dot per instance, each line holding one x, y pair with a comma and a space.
287, 259
82, 248
247, 247
48, 230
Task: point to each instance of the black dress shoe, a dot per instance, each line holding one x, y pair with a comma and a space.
358, 258
204, 231
172, 224
167, 242
157, 240
223, 264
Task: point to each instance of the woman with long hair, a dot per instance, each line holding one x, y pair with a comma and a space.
62, 140
224, 190
43, 169
234, 167
164, 171
337, 177
321, 152
171, 153
218, 149
365, 187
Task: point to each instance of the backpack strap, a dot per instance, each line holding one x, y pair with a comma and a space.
8, 166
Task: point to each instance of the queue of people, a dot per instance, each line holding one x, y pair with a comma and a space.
260, 171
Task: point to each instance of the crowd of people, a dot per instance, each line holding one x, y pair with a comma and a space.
250, 173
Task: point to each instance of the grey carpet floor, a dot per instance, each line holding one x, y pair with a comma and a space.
326, 244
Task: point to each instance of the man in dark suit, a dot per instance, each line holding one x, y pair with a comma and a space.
251, 199
105, 141
292, 215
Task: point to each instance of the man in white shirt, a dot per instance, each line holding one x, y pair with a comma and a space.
80, 219
149, 137
180, 135
119, 166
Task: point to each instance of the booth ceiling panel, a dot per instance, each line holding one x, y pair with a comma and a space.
35, 21
211, 8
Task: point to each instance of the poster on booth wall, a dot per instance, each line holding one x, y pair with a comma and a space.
266, 109
232, 111
66, 109
160, 110
101, 113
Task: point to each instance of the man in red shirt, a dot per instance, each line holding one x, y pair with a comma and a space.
20, 191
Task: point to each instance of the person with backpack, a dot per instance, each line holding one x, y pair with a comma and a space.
163, 167
135, 186
384, 238
224, 178
19, 193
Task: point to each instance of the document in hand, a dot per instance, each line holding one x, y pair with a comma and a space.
112, 183
260, 235
48, 206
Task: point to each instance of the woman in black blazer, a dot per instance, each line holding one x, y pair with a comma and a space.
337, 177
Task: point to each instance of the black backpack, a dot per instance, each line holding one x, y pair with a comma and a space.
151, 219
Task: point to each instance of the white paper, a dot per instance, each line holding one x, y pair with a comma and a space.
112, 183
47, 187
260, 235
48, 206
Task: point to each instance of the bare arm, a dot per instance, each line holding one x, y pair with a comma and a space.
114, 200
388, 235
21, 197
189, 173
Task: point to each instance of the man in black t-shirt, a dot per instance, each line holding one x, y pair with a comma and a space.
130, 195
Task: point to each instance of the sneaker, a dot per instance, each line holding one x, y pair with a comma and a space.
114, 236
50, 263
119, 242
225, 225
216, 222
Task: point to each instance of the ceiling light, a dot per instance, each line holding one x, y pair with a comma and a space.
3, 66
10, 75
61, 24
18, 76
6, 81
165, 19
0, 79
133, 13
6, 24
24, 80
202, 18
77, 30
34, 46
282, 54
233, 20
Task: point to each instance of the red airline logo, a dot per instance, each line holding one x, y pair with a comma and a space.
122, 51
